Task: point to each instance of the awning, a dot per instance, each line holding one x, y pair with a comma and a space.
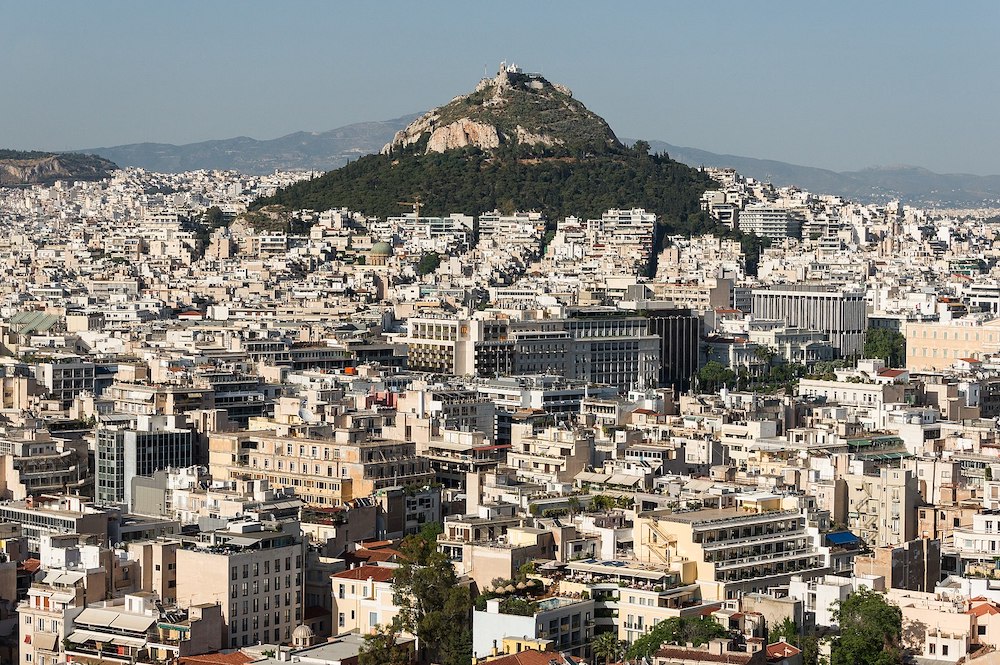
623, 479
121, 640
93, 616
46, 641
841, 538
132, 622
84, 636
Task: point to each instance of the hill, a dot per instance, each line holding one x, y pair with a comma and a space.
516, 142
308, 151
19, 167
910, 184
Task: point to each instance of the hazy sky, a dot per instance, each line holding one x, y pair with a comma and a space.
840, 85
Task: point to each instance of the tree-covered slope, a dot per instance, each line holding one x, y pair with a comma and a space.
472, 181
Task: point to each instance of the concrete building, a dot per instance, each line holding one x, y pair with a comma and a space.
771, 221
730, 551
323, 466
840, 313
939, 345
567, 622
137, 628
914, 565
65, 377
33, 462
254, 571
553, 455
362, 600
58, 514
820, 595
152, 443
882, 509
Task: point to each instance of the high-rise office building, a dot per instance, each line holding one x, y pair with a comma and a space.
139, 448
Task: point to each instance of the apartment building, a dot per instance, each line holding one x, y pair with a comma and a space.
137, 628
34, 463
65, 377
157, 399
77, 572
771, 221
552, 455
55, 515
362, 599
730, 551
567, 622
323, 467
630, 598
254, 571
882, 508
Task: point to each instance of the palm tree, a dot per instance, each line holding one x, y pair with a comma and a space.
607, 646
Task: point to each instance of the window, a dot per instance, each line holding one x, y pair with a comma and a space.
944, 649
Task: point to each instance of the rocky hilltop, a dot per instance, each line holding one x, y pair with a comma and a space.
516, 142
511, 109
32, 168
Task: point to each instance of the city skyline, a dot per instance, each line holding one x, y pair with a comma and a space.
840, 88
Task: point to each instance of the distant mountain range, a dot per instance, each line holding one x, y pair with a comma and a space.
313, 151
323, 151
910, 184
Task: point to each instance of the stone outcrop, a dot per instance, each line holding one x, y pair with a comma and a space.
50, 168
462, 133
512, 108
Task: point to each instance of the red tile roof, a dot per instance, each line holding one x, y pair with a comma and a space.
781, 650
372, 556
233, 658
984, 608
892, 373
377, 573
531, 657
703, 656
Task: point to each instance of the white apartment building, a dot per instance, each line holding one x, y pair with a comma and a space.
772, 221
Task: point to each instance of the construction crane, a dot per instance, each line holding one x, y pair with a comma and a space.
415, 203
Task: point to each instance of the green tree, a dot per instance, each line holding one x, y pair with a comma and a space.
810, 650
715, 375
786, 629
213, 217
432, 605
428, 263
608, 647
625, 501
870, 631
381, 648
676, 630
888, 345
602, 502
